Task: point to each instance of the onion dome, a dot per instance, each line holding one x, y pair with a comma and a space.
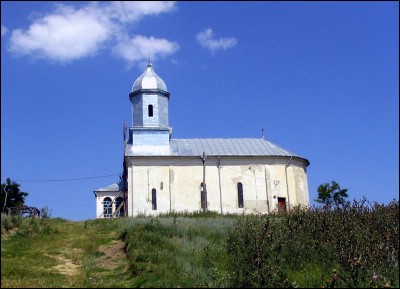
149, 80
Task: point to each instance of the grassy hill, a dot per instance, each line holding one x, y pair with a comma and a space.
60, 253
353, 246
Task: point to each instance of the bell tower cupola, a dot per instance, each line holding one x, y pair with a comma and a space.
150, 131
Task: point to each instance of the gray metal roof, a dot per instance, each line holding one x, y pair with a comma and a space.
226, 147
219, 147
149, 80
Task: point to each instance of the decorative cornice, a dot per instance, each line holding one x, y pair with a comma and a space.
149, 91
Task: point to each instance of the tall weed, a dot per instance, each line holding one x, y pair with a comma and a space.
176, 251
355, 245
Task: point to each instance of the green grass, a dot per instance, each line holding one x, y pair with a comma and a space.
29, 258
200, 249
177, 251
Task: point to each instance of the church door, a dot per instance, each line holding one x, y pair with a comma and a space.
281, 204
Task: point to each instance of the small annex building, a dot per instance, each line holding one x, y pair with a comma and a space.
227, 175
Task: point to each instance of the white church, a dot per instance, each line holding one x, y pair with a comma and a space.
226, 175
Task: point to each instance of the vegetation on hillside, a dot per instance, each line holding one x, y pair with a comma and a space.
352, 245
178, 250
53, 252
355, 245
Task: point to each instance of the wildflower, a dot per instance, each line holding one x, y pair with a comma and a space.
388, 285
374, 277
334, 275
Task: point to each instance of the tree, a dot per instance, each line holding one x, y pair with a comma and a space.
331, 194
45, 212
11, 196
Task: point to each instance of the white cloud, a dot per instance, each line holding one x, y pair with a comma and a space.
68, 34
139, 47
4, 30
130, 11
65, 35
207, 40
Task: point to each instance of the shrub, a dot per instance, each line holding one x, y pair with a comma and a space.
6, 223
354, 243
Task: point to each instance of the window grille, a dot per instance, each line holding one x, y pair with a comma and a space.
107, 206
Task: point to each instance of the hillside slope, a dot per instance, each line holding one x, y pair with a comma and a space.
60, 253
353, 246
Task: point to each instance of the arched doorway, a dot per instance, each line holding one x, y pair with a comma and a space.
121, 211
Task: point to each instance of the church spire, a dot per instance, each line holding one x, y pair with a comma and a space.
149, 99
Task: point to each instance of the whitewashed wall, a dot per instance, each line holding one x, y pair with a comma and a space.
177, 182
100, 196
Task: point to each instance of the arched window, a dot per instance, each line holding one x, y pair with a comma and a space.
107, 206
240, 194
150, 109
121, 211
154, 199
203, 196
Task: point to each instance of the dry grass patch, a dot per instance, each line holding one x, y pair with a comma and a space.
66, 266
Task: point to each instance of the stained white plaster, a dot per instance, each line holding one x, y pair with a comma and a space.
181, 185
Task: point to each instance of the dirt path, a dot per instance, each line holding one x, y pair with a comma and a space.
73, 254
114, 255
66, 266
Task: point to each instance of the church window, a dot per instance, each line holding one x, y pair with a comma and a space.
107, 206
203, 196
121, 211
154, 199
240, 194
150, 109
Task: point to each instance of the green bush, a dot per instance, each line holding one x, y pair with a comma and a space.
254, 246
355, 245
9, 222
175, 250
6, 223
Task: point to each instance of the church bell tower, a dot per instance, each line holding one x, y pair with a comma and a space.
150, 132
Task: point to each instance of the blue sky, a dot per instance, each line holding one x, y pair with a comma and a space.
322, 78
